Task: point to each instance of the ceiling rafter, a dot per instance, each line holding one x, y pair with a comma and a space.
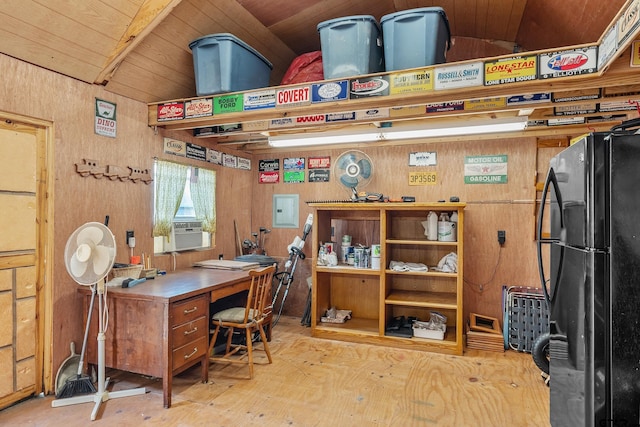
150, 14
139, 48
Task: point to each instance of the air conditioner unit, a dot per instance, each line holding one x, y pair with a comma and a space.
185, 235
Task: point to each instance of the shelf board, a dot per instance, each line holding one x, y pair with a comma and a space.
396, 241
619, 74
446, 345
443, 300
344, 332
356, 325
423, 273
449, 337
346, 269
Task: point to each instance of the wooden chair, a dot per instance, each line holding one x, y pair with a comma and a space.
250, 318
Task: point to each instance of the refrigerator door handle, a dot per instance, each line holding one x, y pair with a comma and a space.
551, 179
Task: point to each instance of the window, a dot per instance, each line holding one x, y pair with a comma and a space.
182, 193
186, 210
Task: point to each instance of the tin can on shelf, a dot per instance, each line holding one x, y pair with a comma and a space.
375, 263
351, 258
344, 254
375, 251
358, 257
361, 257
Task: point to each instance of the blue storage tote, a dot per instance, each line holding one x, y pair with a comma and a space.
224, 63
351, 46
415, 38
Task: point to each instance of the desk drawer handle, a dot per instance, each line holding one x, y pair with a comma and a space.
195, 350
191, 331
187, 311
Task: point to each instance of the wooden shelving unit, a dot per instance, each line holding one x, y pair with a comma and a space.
376, 297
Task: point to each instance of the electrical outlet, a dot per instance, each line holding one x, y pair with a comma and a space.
129, 237
502, 236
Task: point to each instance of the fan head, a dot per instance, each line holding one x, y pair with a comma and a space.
353, 169
90, 253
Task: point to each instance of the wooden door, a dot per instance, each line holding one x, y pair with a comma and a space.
22, 176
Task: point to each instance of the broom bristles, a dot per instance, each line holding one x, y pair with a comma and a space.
81, 384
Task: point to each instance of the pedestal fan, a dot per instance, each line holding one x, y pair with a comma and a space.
89, 256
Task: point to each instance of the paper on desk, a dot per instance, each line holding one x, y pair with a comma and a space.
224, 264
116, 282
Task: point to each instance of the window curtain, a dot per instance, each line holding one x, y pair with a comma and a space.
169, 186
203, 195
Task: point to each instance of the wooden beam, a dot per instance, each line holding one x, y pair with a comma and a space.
561, 141
150, 14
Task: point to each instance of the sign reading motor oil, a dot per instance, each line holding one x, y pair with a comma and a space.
485, 169
422, 178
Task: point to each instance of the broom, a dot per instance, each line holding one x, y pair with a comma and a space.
80, 384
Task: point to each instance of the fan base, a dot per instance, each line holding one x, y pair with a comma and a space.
98, 398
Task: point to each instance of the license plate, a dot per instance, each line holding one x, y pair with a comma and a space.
422, 178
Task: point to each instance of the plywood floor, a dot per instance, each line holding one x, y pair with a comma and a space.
315, 382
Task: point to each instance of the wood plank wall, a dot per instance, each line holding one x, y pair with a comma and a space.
33, 92
37, 93
490, 207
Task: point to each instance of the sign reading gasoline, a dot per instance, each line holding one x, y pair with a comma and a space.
485, 169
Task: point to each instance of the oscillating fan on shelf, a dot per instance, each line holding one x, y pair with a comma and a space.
353, 169
89, 255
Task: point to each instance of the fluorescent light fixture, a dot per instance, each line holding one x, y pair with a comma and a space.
508, 124
321, 138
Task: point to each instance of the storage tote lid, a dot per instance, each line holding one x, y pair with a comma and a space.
421, 11
346, 19
221, 37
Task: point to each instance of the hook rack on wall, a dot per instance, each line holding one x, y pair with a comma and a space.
113, 172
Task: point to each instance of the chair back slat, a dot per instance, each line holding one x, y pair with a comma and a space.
259, 292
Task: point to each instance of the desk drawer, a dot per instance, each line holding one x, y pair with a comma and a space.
189, 353
189, 331
189, 309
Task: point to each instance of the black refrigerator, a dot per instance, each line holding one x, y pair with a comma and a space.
593, 288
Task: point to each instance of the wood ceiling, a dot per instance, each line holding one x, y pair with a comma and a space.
139, 48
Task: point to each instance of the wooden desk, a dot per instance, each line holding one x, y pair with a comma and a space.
161, 327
